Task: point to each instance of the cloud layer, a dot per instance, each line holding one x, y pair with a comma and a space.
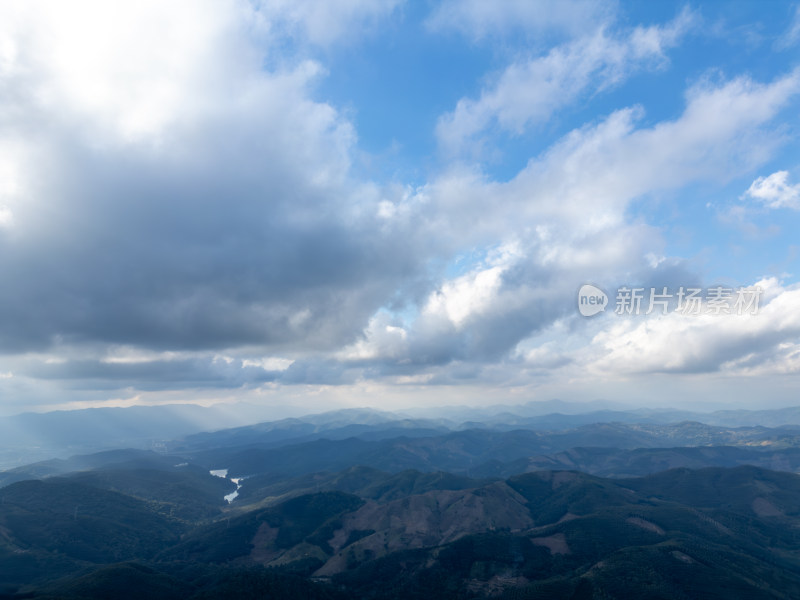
182, 213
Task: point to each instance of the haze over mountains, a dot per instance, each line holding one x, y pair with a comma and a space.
28, 437
360, 503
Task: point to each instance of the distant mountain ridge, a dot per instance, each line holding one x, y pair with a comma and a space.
30, 437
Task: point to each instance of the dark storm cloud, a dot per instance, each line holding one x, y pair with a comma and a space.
212, 254
156, 374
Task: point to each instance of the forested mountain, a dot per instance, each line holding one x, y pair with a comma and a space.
404, 509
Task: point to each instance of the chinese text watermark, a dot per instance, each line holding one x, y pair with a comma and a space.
685, 300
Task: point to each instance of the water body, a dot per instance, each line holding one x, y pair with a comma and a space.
232, 496
224, 474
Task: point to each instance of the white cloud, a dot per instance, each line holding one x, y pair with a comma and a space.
134, 67
133, 355
760, 343
269, 363
383, 339
775, 191
323, 22
464, 297
478, 19
577, 192
529, 92
792, 34
566, 216
148, 70
559, 223
595, 172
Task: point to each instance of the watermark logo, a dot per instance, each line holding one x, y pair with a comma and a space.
684, 300
591, 300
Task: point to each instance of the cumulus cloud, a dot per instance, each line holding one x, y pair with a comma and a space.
198, 260
762, 342
563, 222
179, 209
775, 191
225, 217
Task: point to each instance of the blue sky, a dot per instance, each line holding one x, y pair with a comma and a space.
316, 204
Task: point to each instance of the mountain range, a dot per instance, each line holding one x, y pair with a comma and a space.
364, 504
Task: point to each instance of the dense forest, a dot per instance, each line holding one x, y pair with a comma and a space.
463, 513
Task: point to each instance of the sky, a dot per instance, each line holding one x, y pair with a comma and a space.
329, 203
